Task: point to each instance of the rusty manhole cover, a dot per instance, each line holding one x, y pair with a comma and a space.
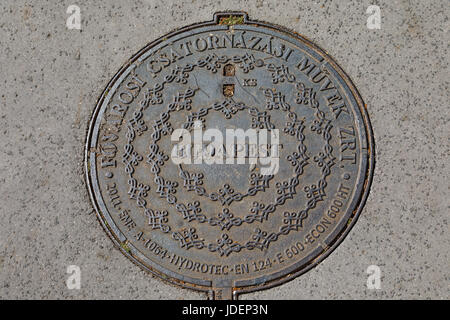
229, 156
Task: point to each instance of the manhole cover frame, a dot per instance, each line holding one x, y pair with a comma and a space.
229, 293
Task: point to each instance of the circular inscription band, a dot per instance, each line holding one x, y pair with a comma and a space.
229, 226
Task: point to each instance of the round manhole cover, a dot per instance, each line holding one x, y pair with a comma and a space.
229, 156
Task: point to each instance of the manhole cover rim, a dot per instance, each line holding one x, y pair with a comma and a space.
268, 281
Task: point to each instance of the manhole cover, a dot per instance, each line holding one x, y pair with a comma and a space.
229, 156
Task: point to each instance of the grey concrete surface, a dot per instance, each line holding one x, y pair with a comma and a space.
52, 76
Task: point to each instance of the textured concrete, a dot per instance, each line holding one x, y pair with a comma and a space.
52, 76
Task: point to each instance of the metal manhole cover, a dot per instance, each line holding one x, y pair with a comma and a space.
229, 156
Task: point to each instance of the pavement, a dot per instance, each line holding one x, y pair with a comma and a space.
51, 78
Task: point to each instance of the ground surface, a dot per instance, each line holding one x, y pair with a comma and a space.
52, 76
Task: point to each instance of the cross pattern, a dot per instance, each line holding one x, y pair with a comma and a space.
306, 96
191, 211
286, 190
261, 239
138, 192
225, 220
137, 123
294, 220
280, 73
182, 101
260, 212
188, 238
196, 117
259, 182
161, 126
166, 189
157, 219
247, 62
225, 245
212, 62
228, 107
315, 193
226, 195
261, 120
275, 100
179, 75
299, 159
192, 181
325, 160
152, 96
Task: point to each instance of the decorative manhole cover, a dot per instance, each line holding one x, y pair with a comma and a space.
229, 156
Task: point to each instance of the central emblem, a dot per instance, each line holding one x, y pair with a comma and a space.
229, 156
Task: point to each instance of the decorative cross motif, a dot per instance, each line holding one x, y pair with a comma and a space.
130, 158
166, 189
157, 219
294, 126
260, 212
137, 123
156, 158
182, 101
275, 100
294, 220
212, 62
226, 195
315, 193
280, 73
325, 160
286, 190
192, 181
191, 211
194, 117
306, 96
261, 120
224, 246
299, 159
161, 126
259, 182
179, 75
188, 238
225, 220
321, 124
153, 96
261, 240
138, 192
228, 107
248, 62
